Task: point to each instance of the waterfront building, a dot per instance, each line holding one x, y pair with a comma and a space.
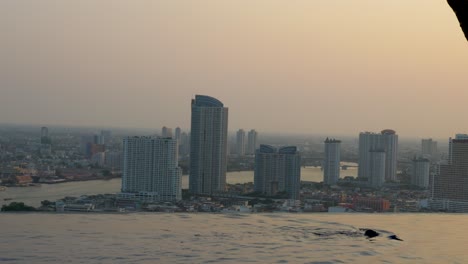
98, 158
114, 160
166, 132
420, 172
377, 163
208, 145
386, 141
96, 148
252, 142
277, 171
331, 164
450, 185
151, 166
240, 142
429, 148
373, 204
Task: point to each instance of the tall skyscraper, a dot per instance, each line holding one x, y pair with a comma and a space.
178, 133
184, 144
277, 170
106, 136
240, 142
420, 172
252, 142
208, 145
386, 141
166, 132
45, 136
99, 139
457, 136
331, 164
429, 148
450, 186
377, 165
44, 132
151, 167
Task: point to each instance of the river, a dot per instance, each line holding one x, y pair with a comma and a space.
231, 238
34, 195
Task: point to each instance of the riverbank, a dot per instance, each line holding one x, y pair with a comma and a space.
52, 192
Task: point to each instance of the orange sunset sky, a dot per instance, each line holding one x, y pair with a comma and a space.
333, 67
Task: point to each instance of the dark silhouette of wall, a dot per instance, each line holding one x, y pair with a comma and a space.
460, 7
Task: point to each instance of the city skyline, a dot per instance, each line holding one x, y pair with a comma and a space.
295, 54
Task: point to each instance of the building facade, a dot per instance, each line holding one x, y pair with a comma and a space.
429, 148
277, 171
150, 165
208, 145
420, 172
45, 139
377, 162
178, 133
184, 144
166, 132
114, 160
252, 142
386, 141
240, 142
331, 164
450, 186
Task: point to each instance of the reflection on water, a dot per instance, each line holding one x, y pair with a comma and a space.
34, 195
230, 238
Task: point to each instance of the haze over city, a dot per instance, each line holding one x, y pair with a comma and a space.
327, 67
216, 131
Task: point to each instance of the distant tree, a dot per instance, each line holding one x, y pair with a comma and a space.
186, 194
106, 173
47, 203
16, 207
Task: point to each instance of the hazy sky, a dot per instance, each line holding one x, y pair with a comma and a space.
294, 66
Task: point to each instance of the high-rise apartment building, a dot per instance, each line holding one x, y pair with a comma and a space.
377, 165
420, 172
251, 142
99, 139
45, 136
106, 136
457, 136
240, 142
331, 164
178, 133
386, 141
450, 185
114, 160
429, 148
151, 168
166, 132
277, 170
208, 145
44, 132
184, 144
